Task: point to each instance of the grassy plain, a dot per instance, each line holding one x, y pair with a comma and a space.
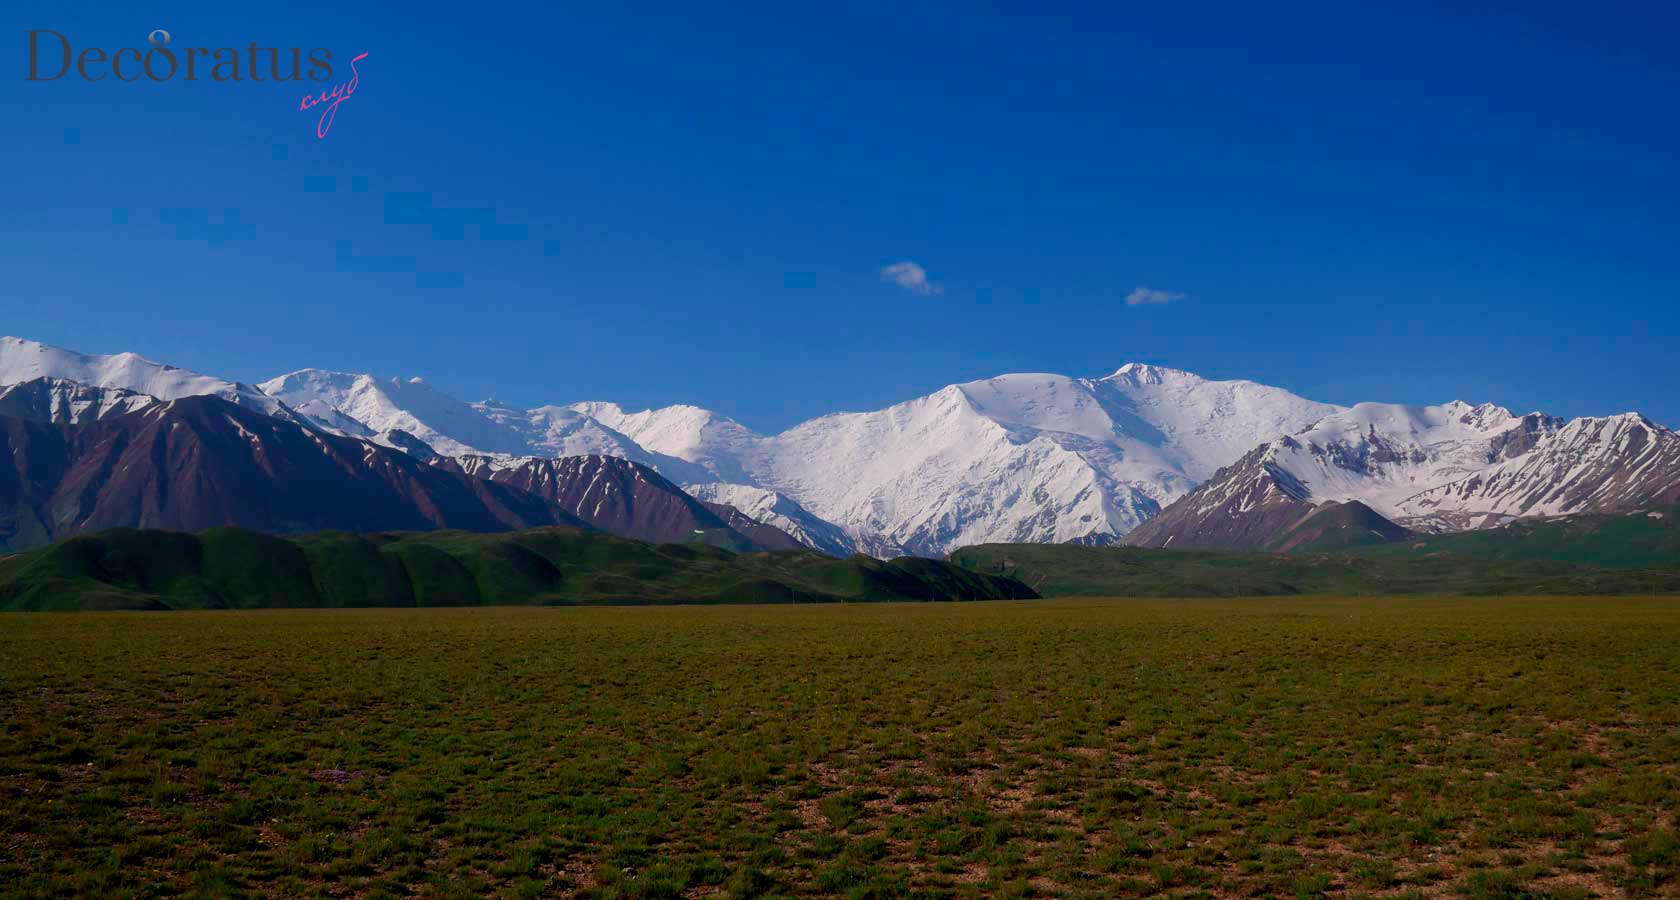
1424, 746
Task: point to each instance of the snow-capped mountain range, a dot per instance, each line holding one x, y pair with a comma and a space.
1608, 464
1016, 458
1377, 454
23, 361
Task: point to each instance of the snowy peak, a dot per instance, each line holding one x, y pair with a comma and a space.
1381, 453
1481, 416
1200, 424
1042, 402
704, 438
1026, 457
363, 405
379, 409
1143, 373
24, 360
557, 431
1417, 424
675, 429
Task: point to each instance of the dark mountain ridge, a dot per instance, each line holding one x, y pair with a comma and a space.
625, 498
203, 462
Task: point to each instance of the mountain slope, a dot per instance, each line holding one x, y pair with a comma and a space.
615, 495
767, 537
1337, 525
381, 409
1610, 464
1381, 453
1374, 454
67, 402
202, 462
556, 431
235, 568
365, 406
780, 512
714, 443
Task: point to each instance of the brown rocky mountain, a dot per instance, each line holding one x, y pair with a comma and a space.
624, 498
1242, 507
201, 462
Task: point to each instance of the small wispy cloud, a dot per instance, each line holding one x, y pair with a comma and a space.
1143, 296
911, 277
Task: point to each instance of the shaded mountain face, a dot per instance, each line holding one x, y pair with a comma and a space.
1591, 465
203, 462
64, 402
615, 495
778, 510
769, 537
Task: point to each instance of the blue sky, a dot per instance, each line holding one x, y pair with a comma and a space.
695, 203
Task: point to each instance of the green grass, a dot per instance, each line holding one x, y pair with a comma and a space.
231, 568
1487, 747
1640, 540
1474, 563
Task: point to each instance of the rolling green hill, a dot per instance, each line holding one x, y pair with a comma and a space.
235, 568
1633, 554
1645, 539
1337, 526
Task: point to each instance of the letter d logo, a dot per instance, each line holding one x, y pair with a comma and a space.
34, 50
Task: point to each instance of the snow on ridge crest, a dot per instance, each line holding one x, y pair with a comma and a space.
24, 360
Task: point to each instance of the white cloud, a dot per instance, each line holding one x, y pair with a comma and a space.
1142, 296
911, 277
